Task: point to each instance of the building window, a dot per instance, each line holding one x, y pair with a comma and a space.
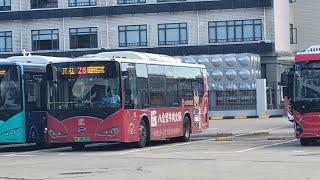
172, 34
5, 5
169, 0
74, 3
293, 34
5, 41
36, 4
235, 31
131, 1
83, 38
47, 39
135, 35
292, 1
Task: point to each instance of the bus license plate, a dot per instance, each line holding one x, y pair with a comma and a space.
81, 139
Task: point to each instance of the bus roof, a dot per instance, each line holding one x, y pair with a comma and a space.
36, 59
138, 57
310, 54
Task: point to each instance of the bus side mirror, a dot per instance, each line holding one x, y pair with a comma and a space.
287, 79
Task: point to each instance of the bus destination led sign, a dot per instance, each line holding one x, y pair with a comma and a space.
3, 72
83, 70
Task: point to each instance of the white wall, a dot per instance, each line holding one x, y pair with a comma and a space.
307, 18
283, 16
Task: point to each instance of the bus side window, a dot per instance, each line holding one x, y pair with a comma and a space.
129, 79
157, 85
184, 84
172, 86
34, 89
142, 96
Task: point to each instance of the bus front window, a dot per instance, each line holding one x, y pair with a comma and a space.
308, 84
10, 91
307, 87
85, 89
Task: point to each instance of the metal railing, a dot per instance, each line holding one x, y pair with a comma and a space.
233, 100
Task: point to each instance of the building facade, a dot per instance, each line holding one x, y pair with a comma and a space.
172, 27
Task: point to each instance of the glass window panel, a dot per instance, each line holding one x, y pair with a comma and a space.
172, 25
248, 22
220, 23
183, 34
222, 33
239, 33
248, 32
143, 36
231, 33
2, 44
238, 22
161, 26
83, 30
184, 25
162, 35
45, 37
9, 42
230, 23
172, 35
132, 36
94, 29
130, 28
73, 30
122, 37
257, 32
45, 32
212, 34
257, 21
55, 36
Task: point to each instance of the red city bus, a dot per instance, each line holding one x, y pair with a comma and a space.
305, 90
125, 97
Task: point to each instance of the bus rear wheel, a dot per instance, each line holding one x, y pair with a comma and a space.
78, 147
186, 130
143, 135
307, 141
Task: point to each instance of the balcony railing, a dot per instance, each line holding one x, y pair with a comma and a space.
89, 3
173, 42
136, 44
5, 8
169, 0
6, 50
47, 5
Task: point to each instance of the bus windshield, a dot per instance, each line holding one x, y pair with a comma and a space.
307, 84
84, 89
10, 91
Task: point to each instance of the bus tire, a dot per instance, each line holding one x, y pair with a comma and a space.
186, 130
143, 135
78, 146
306, 141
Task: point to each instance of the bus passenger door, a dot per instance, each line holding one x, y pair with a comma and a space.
36, 126
35, 101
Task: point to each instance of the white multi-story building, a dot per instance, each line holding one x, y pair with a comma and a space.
172, 27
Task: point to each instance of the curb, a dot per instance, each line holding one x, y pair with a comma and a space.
243, 117
224, 139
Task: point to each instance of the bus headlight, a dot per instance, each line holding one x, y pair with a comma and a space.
56, 133
109, 132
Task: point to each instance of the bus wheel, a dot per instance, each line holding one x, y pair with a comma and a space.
307, 141
186, 130
78, 147
143, 133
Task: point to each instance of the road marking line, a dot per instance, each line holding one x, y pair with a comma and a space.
194, 142
152, 148
265, 146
